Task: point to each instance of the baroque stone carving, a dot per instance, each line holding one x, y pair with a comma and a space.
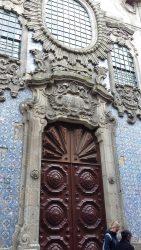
34, 174
101, 74
16, 5
71, 101
99, 49
128, 99
46, 65
120, 31
13, 1
24, 236
129, 6
74, 101
10, 77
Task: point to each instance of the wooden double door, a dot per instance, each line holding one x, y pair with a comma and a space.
72, 213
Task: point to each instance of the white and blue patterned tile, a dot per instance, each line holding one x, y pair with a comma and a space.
10, 165
128, 145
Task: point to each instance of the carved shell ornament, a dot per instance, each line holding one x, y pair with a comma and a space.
96, 46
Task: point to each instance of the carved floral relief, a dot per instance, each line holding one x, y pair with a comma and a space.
16, 5
10, 77
128, 99
71, 100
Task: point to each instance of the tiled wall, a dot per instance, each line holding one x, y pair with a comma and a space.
128, 143
11, 145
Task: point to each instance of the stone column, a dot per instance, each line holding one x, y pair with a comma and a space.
29, 233
110, 180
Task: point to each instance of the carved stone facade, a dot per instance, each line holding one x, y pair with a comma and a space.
10, 77
128, 99
121, 34
74, 101
12, 71
98, 48
16, 5
67, 85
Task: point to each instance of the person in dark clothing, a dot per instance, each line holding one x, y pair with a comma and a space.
124, 243
110, 239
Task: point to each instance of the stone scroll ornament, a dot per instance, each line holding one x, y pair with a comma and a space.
71, 100
98, 47
128, 99
13, 1
10, 77
74, 101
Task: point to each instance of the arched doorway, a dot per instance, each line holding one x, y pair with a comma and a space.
72, 213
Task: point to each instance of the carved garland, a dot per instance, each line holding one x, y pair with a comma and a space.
16, 5
74, 101
128, 99
10, 76
33, 12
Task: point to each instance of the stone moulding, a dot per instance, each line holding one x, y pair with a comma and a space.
14, 5
72, 99
47, 67
116, 28
127, 99
130, 6
10, 76
99, 49
121, 34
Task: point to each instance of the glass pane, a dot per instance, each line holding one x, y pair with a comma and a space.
124, 72
74, 20
10, 34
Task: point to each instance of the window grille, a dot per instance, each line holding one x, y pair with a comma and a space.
123, 66
69, 22
10, 34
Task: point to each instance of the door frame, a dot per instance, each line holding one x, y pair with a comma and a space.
35, 117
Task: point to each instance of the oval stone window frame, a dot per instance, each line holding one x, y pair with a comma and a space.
92, 20
99, 47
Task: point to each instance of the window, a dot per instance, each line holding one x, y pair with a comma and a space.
69, 22
10, 34
123, 66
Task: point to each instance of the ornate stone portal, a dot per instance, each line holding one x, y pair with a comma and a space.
75, 101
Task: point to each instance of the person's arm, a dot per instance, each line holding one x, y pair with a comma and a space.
107, 242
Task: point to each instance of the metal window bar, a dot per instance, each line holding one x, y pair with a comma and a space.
123, 66
69, 22
10, 34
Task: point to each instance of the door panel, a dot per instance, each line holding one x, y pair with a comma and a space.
72, 214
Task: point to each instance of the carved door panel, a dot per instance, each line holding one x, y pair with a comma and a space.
72, 214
